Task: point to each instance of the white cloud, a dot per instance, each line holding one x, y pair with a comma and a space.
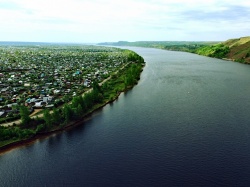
103, 20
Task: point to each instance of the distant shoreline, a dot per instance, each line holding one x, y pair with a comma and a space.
26, 43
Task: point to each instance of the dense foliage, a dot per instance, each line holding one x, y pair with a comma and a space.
217, 51
14, 133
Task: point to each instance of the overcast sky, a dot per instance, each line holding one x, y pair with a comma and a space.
86, 21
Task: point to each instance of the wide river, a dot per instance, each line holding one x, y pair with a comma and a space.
186, 123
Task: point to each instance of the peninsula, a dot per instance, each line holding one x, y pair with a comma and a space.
47, 88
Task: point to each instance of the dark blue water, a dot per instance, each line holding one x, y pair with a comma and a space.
185, 124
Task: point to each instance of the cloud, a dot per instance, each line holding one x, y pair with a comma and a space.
8, 5
97, 20
230, 13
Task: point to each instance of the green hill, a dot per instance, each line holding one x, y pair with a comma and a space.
216, 51
232, 49
237, 41
239, 49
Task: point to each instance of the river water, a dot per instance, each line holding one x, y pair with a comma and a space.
187, 123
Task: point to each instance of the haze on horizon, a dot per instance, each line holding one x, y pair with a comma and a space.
84, 21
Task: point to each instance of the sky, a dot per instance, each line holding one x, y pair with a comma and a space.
93, 21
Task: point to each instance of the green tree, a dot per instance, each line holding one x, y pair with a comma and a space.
66, 98
47, 118
24, 113
56, 117
67, 113
78, 111
75, 101
82, 103
40, 128
96, 87
88, 100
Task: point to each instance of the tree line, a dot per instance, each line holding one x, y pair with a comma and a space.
216, 51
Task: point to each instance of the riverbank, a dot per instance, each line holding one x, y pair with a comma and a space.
113, 95
33, 139
236, 50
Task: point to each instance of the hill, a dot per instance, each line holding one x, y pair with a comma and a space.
233, 49
239, 49
238, 41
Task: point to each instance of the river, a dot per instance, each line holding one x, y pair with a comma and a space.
186, 123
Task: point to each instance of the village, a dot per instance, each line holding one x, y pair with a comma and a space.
48, 76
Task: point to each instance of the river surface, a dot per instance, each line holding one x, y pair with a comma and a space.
186, 123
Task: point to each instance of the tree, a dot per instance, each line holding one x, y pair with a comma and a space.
75, 101
56, 117
67, 113
88, 100
47, 118
78, 111
82, 103
66, 98
24, 113
96, 87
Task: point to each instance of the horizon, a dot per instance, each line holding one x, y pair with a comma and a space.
81, 21
108, 41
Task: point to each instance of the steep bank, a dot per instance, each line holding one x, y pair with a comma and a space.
239, 49
233, 49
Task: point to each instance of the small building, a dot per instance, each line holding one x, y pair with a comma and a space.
2, 113
40, 104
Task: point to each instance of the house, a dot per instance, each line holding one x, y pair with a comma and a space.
39, 104
56, 91
11, 105
45, 99
48, 99
4, 90
26, 85
2, 114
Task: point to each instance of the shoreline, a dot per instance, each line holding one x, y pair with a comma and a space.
226, 59
20, 143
